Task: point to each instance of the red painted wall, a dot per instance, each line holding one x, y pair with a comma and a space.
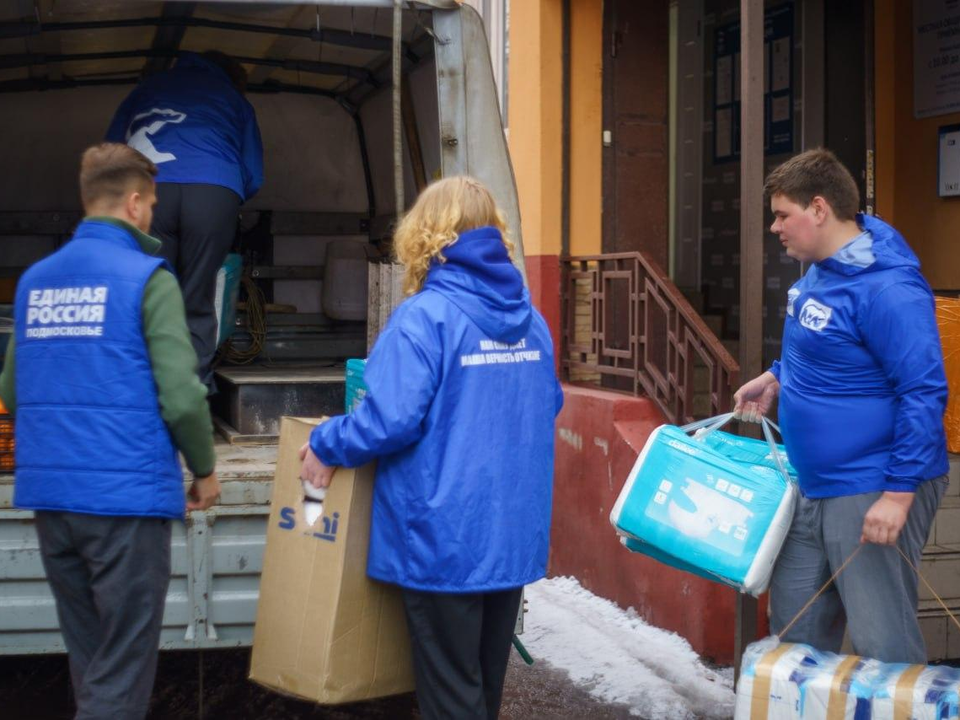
599, 435
543, 280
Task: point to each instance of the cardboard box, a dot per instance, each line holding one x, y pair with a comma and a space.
326, 632
948, 322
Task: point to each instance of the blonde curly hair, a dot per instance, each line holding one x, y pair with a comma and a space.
445, 209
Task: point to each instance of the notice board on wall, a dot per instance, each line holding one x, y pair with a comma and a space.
778, 85
936, 57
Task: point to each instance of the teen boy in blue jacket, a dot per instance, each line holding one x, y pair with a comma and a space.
103, 387
460, 411
195, 125
862, 395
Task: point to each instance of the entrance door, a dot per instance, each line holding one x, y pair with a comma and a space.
635, 111
848, 29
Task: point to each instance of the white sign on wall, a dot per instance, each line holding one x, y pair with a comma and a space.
936, 57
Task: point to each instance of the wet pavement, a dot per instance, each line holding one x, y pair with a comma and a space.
38, 688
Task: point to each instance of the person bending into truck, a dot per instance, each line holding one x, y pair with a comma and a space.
862, 392
460, 410
194, 123
100, 375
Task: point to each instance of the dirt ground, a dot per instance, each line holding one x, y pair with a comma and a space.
38, 688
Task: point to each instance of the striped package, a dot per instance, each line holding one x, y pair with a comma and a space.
785, 681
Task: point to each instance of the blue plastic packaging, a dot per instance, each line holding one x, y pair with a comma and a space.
225, 299
356, 388
717, 505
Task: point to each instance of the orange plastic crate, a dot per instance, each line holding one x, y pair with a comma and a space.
6, 444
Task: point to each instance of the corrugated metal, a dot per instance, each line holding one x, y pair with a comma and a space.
216, 561
471, 136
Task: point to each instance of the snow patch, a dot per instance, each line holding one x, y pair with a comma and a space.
619, 658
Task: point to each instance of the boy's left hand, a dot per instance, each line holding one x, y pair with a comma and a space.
886, 518
313, 470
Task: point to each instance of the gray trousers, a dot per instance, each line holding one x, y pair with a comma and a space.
109, 576
875, 597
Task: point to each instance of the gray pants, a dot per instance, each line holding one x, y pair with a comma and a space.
109, 577
875, 597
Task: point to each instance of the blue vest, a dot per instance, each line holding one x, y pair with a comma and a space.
90, 438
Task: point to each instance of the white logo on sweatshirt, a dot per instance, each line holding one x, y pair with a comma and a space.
815, 316
140, 140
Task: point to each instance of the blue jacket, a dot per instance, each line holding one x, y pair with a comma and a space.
90, 438
195, 126
460, 409
862, 385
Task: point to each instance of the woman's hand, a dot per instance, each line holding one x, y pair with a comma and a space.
313, 470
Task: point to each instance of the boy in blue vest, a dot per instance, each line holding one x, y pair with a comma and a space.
195, 124
862, 393
101, 377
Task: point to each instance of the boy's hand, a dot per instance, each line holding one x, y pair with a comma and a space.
755, 399
203, 493
886, 518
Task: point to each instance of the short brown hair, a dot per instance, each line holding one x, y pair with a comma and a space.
110, 171
816, 172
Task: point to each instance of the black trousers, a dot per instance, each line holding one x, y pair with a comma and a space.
109, 577
197, 224
461, 644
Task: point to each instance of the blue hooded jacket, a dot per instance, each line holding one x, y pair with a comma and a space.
460, 409
862, 385
195, 126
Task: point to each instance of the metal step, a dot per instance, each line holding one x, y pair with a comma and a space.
940, 633
940, 566
307, 343
251, 399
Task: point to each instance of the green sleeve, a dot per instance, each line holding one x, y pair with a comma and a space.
183, 398
8, 385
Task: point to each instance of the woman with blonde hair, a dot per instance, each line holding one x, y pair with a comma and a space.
462, 397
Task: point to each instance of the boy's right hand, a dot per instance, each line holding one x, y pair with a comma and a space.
755, 399
203, 493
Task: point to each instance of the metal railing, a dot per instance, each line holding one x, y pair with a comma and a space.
628, 328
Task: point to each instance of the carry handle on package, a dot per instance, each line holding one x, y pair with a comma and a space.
718, 506
702, 428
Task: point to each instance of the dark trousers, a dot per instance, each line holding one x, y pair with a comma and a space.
461, 644
109, 577
197, 224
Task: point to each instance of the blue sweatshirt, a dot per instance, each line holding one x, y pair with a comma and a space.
195, 126
862, 385
460, 408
